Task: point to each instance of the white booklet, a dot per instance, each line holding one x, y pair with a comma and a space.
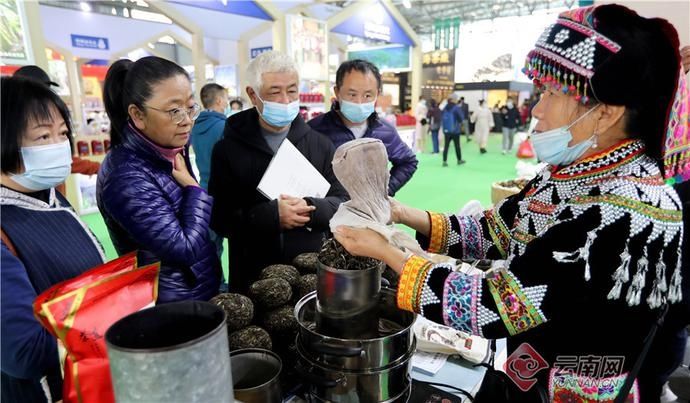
430, 363
290, 173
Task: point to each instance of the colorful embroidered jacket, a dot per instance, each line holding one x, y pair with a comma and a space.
590, 251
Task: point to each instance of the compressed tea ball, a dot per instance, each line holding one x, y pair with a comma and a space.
271, 292
334, 255
306, 284
250, 337
306, 263
284, 271
239, 310
281, 320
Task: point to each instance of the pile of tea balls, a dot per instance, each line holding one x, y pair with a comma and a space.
265, 317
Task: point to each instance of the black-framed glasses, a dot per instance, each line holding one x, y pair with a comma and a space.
177, 115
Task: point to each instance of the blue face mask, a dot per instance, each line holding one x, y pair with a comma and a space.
356, 113
277, 114
45, 166
552, 146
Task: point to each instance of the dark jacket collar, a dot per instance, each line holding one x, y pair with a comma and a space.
244, 127
133, 141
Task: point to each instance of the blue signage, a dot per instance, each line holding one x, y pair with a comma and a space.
254, 52
89, 42
374, 23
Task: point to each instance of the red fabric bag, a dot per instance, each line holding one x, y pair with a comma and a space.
80, 310
525, 150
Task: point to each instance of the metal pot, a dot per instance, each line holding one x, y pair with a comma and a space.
388, 348
347, 300
170, 353
390, 384
255, 374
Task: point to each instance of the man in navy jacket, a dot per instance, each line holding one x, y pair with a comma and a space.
358, 84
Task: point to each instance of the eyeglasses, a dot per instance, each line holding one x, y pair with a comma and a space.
178, 115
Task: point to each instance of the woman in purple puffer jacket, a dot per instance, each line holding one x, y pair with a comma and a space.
149, 199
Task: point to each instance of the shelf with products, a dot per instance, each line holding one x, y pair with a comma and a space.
81, 189
91, 146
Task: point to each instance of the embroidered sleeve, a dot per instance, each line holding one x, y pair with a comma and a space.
440, 233
486, 236
498, 232
455, 299
456, 236
412, 282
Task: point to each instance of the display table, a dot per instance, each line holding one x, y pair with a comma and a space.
406, 133
461, 373
455, 372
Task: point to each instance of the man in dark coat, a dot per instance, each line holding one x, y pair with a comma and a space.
358, 84
466, 120
511, 121
260, 231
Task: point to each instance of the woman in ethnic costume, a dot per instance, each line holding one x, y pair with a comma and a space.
590, 248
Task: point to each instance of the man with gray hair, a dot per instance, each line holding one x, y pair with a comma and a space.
260, 231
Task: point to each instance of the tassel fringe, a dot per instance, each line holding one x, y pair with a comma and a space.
638, 282
675, 294
621, 275
658, 295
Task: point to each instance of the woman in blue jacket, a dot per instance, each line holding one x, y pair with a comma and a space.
148, 198
43, 240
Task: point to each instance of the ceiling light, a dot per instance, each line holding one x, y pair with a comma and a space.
149, 16
496, 7
225, 2
406, 4
85, 7
167, 39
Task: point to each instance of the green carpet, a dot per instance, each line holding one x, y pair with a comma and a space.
433, 187
447, 189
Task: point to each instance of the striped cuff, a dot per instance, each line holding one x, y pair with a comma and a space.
438, 236
412, 282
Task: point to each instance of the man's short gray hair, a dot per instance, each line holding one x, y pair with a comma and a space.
269, 62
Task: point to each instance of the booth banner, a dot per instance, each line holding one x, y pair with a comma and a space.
386, 58
14, 37
254, 52
446, 33
438, 68
307, 44
495, 50
439, 58
374, 22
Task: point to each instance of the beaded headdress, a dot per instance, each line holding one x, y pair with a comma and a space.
568, 52
567, 55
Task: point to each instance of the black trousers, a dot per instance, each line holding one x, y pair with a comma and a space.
455, 138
